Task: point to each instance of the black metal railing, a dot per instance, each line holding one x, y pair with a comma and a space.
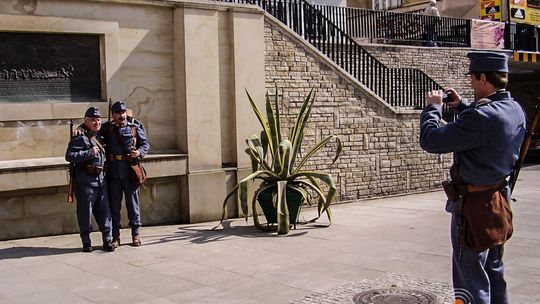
522, 37
400, 87
399, 28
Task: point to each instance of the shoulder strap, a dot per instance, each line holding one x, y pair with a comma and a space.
97, 143
134, 134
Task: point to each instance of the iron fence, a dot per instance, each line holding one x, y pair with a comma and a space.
400, 87
399, 28
522, 37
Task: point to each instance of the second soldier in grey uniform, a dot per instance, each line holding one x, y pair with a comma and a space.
126, 142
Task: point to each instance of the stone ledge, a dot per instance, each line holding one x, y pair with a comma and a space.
52, 171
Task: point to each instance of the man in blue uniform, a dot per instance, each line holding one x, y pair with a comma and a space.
126, 142
90, 185
485, 139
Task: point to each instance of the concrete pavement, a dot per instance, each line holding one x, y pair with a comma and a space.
398, 241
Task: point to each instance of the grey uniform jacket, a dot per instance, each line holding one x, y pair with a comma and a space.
120, 141
79, 152
485, 139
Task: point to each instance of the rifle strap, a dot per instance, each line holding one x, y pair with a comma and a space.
134, 134
94, 140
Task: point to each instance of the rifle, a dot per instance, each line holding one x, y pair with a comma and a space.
110, 105
525, 146
71, 168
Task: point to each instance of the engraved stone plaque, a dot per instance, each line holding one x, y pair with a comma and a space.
49, 67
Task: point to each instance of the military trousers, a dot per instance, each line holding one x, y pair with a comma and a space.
119, 188
93, 200
478, 278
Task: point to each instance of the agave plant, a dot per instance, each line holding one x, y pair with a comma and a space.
278, 163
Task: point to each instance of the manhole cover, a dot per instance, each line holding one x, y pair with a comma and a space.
394, 296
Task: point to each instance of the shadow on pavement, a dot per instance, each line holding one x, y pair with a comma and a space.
24, 252
199, 235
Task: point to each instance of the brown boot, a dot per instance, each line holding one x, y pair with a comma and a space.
136, 241
116, 242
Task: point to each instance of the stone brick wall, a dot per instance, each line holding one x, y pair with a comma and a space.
381, 151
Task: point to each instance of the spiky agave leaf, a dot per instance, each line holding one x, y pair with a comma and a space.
254, 160
263, 123
297, 131
264, 143
243, 187
277, 118
299, 118
257, 151
325, 178
254, 207
316, 148
314, 187
273, 122
285, 148
283, 221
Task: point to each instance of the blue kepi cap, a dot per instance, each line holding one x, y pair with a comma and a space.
118, 106
92, 112
487, 62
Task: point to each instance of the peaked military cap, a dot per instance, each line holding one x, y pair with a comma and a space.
118, 106
487, 62
92, 112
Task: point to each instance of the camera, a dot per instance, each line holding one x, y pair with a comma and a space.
447, 96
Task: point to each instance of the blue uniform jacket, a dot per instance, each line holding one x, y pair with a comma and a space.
485, 139
120, 141
79, 152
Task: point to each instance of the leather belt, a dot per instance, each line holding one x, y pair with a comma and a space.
113, 157
93, 169
480, 188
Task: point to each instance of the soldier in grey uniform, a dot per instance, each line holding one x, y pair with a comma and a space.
90, 185
485, 140
125, 142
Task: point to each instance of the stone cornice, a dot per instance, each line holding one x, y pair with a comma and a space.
199, 4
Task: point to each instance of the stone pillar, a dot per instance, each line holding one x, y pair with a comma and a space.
207, 76
249, 74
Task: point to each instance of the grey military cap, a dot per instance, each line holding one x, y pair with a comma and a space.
487, 62
118, 106
92, 112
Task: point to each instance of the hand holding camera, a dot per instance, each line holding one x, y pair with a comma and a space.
451, 98
434, 97
447, 95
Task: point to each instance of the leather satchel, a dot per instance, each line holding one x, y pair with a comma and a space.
487, 219
137, 173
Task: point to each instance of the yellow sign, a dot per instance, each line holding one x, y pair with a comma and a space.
525, 11
491, 10
526, 56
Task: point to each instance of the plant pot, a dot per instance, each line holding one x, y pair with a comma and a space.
294, 204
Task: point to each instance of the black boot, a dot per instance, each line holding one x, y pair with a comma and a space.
108, 246
87, 247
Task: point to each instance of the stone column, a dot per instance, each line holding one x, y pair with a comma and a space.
249, 74
206, 76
